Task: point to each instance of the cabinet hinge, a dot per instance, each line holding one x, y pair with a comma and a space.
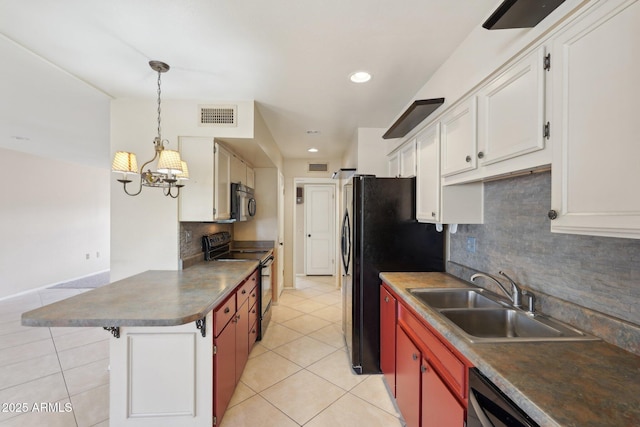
215, 149
546, 130
215, 350
547, 62
215, 421
214, 211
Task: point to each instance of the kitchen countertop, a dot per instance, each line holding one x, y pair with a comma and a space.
152, 298
568, 384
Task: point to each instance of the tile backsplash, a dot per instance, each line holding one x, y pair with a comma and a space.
599, 273
193, 248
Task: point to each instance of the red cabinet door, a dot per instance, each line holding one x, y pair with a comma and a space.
439, 407
408, 360
242, 339
224, 369
388, 316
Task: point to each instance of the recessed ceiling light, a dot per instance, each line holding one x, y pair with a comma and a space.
21, 138
360, 77
312, 150
313, 132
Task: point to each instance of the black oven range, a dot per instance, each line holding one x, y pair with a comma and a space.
219, 247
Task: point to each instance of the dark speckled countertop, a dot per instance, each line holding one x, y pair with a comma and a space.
152, 298
568, 384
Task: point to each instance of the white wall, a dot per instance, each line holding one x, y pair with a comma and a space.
367, 152
145, 228
53, 214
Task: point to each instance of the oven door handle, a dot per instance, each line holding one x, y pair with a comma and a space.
267, 262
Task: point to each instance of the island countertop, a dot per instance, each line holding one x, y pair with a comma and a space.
152, 298
568, 384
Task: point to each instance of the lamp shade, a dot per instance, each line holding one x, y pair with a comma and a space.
185, 171
170, 162
125, 162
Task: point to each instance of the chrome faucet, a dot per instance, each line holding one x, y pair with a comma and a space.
516, 292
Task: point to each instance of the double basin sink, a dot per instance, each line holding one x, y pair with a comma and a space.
481, 316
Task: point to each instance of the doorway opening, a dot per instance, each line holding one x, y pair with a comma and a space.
315, 219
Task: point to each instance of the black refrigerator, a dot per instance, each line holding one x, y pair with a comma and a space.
379, 233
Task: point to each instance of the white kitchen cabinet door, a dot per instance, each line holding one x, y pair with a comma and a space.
408, 159
394, 164
222, 196
459, 138
251, 177
596, 126
196, 201
428, 175
238, 170
511, 111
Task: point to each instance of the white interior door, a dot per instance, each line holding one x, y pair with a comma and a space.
319, 229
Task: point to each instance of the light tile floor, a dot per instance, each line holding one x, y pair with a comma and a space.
298, 375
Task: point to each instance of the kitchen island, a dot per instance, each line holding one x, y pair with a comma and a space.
568, 384
164, 332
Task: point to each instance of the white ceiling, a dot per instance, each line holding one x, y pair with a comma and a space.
293, 57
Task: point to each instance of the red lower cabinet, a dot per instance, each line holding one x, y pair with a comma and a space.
439, 407
242, 339
408, 360
388, 316
224, 368
430, 374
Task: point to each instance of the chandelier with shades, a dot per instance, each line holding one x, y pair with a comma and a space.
171, 170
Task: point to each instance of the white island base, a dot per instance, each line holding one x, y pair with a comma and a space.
162, 376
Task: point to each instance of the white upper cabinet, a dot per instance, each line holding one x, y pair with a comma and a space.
459, 138
453, 204
251, 177
238, 170
408, 159
428, 178
596, 126
402, 161
206, 196
222, 196
511, 111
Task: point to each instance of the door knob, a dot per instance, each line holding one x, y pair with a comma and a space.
308, 235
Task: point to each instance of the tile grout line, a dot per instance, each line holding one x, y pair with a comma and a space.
64, 378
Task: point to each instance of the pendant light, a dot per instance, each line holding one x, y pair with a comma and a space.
171, 170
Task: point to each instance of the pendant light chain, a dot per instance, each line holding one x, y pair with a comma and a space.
159, 110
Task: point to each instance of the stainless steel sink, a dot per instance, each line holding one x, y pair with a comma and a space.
481, 316
454, 298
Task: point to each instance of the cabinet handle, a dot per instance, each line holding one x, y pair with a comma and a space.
468, 159
433, 214
414, 356
553, 214
481, 155
226, 310
423, 369
244, 291
253, 295
386, 299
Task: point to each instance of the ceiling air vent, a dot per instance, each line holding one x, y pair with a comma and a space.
218, 115
318, 167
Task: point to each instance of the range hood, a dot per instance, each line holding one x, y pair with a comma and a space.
343, 173
520, 13
416, 113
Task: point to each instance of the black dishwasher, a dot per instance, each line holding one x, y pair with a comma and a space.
489, 407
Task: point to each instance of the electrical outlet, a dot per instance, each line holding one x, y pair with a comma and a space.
471, 244
87, 256
187, 236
